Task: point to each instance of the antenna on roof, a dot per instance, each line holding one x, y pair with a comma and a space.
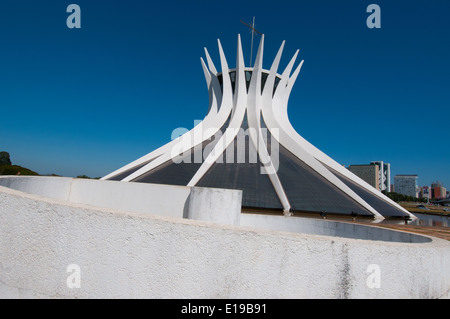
253, 30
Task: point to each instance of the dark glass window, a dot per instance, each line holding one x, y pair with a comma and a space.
277, 80
263, 80
248, 78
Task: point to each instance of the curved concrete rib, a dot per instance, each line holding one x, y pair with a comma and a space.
215, 97
254, 124
283, 119
204, 130
239, 107
211, 66
212, 101
270, 107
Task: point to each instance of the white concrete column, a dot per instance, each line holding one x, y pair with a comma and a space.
215, 205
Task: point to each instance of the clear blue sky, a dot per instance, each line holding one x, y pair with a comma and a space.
89, 100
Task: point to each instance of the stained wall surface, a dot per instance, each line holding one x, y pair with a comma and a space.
124, 254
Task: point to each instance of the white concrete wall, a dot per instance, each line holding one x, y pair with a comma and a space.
166, 200
132, 255
53, 187
329, 228
203, 203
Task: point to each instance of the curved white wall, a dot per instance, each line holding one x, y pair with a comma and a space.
166, 200
329, 228
141, 255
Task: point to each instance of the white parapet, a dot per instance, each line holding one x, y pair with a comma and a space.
163, 200
215, 205
54, 248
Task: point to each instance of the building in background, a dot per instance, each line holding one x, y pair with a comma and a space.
438, 191
376, 174
384, 175
406, 185
425, 192
368, 173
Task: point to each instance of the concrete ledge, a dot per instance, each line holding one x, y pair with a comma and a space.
330, 228
123, 254
165, 200
204, 203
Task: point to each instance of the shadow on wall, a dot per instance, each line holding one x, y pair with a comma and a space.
207, 204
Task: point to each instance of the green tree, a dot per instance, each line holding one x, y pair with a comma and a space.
15, 170
83, 176
4, 158
87, 177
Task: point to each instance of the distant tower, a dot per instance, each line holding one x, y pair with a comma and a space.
248, 124
368, 173
384, 175
406, 185
438, 191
